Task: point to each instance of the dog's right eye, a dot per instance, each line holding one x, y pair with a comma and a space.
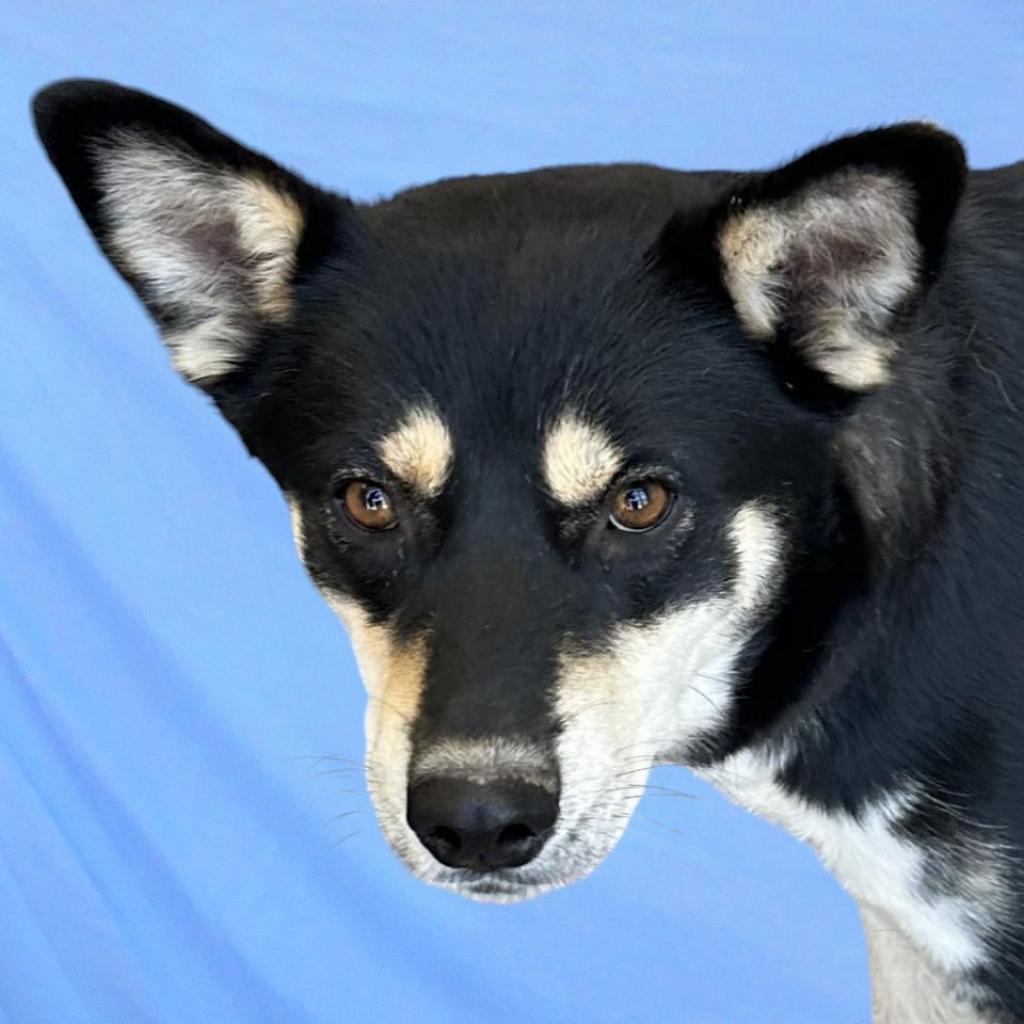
368, 505
640, 506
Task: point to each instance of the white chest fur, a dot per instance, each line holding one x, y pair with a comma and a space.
885, 872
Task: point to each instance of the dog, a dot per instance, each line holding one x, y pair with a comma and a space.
604, 467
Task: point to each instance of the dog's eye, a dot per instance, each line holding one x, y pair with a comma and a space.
640, 506
368, 505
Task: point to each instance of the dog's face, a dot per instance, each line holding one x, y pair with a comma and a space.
575, 517
546, 507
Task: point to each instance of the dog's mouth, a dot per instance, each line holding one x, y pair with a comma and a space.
576, 847
507, 885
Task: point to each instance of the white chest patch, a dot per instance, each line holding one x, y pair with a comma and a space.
878, 866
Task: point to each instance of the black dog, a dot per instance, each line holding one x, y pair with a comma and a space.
610, 466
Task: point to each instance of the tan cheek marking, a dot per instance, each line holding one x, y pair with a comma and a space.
658, 686
579, 460
391, 671
393, 675
419, 451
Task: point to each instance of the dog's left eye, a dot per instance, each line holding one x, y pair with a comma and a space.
368, 505
640, 506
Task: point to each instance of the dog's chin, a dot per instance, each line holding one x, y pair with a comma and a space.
489, 890
511, 885
485, 891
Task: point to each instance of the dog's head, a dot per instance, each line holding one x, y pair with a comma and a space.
579, 457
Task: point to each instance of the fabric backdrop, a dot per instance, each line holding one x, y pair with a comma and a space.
177, 842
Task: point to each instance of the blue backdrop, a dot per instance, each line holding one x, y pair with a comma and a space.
177, 843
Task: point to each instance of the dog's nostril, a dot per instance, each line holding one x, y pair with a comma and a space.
513, 834
481, 827
448, 836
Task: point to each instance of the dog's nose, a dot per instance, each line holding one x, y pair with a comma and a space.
481, 827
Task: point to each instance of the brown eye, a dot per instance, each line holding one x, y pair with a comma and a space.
368, 505
640, 506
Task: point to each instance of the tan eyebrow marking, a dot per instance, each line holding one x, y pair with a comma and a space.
419, 451
579, 460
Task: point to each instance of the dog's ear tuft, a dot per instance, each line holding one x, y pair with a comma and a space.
210, 234
825, 253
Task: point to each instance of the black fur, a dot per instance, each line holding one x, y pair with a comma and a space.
898, 631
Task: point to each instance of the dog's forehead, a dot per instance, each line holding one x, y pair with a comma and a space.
554, 353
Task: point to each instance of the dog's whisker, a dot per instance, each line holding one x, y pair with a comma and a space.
346, 838
348, 814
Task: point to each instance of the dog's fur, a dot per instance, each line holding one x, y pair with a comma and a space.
823, 363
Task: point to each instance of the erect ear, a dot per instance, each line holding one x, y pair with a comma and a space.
826, 253
211, 235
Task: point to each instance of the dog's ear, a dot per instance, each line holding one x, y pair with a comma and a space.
211, 235
824, 254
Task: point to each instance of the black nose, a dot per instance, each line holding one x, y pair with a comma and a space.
482, 827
